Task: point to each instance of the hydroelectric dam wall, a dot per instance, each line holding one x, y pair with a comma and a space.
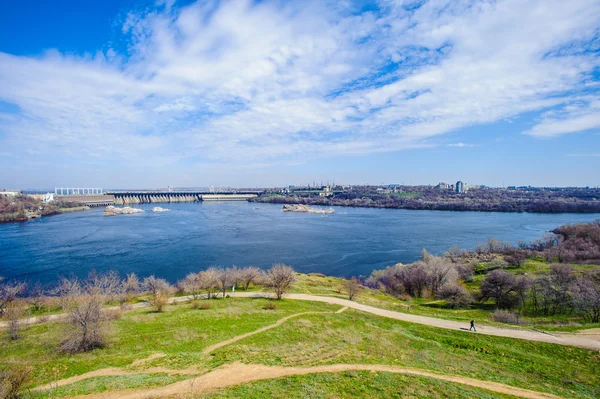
130, 197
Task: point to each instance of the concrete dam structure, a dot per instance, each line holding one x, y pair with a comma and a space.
131, 197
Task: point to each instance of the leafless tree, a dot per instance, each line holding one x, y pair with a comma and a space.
83, 300
586, 299
13, 379
37, 296
159, 289
249, 275
209, 281
9, 291
192, 284
129, 287
14, 313
501, 287
109, 284
225, 278
352, 287
280, 278
455, 294
388, 279
440, 271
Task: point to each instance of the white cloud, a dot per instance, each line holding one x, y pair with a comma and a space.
233, 80
575, 117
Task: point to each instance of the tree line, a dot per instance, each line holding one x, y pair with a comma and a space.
572, 200
84, 300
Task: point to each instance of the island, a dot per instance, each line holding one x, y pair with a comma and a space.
113, 211
306, 208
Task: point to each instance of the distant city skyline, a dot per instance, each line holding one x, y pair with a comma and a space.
244, 93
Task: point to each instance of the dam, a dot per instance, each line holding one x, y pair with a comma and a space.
100, 197
149, 197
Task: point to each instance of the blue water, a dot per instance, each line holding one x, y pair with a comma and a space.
193, 236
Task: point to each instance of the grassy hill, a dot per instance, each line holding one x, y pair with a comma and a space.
149, 349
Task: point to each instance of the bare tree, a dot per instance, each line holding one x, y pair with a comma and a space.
225, 278
455, 294
160, 290
129, 287
13, 379
14, 313
440, 271
352, 287
249, 275
209, 281
109, 284
83, 300
9, 291
192, 284
37, 296
280, 278
585, 294
500, 286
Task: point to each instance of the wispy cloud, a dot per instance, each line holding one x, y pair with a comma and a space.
585, 155
244, 80
460, 145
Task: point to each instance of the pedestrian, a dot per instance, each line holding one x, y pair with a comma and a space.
473, 326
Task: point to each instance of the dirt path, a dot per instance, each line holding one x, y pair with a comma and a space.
237, 373
114, 372
581, 340
263, 329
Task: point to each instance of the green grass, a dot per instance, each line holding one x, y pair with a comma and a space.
108, 383
355, 337
180, 332
479, 311
353, 384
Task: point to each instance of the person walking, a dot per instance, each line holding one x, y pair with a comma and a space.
473, 326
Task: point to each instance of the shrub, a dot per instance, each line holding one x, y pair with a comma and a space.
12, 380
465, 272
112, 314
83, 300
456, 295
14, 312
270, 306
160, 290
201, 305
504, 316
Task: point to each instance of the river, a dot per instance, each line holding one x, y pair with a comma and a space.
193, 236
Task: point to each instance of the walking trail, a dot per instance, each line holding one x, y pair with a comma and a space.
238, 373
582, 340
587, 341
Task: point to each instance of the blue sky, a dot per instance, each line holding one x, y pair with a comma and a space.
248, 93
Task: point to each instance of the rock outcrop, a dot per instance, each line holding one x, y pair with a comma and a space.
113, 211
305, 208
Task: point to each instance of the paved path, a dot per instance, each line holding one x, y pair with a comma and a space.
581, 340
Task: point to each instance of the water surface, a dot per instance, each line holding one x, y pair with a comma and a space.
193, 236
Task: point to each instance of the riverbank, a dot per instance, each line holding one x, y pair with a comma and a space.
23, 208
480, 200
